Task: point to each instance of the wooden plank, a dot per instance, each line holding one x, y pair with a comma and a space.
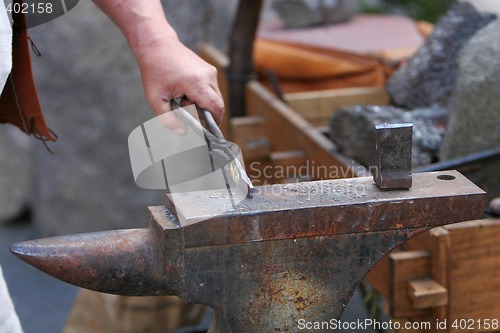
248, 128
474, 273
317, 107
257, 171
436, 242
287, 130
405, 266
466, 256
440, 266
378, 277
291, 158
289, 166
255, 150
475, 224
427, 293
249, 135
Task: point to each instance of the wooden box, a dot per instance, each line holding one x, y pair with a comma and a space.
451, 274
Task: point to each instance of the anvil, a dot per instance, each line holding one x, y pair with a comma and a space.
293, 252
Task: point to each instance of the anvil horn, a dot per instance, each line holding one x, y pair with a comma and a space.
123, 262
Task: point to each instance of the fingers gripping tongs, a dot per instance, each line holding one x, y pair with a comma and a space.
223, 153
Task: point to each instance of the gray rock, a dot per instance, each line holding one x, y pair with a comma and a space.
353, 130
305, 13
201, 20
92, 97
495, 206
429, 76
338, 11
297, 13
16, 162
474, 123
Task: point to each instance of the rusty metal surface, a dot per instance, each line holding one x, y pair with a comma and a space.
269, 286
327, 208
125, 262
286, 255
394, 147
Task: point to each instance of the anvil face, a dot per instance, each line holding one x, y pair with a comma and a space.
329, 207
294, 251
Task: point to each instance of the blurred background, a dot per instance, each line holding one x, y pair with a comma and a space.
92, 98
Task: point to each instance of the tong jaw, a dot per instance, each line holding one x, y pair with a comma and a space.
224, 154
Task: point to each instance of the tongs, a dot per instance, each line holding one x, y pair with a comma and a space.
223, 153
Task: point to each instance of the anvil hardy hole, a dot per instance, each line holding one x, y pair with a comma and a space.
446, 177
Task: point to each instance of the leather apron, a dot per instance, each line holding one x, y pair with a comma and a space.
19, 104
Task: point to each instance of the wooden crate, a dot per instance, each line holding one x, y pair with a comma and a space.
317, 107
450, 273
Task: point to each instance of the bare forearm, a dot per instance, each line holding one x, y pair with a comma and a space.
141, 21
169, 69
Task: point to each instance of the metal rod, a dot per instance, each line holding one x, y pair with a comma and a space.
461, 161
240, 69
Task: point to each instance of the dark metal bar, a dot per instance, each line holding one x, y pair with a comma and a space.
461, 161
393, 165
240, 69
275, 84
